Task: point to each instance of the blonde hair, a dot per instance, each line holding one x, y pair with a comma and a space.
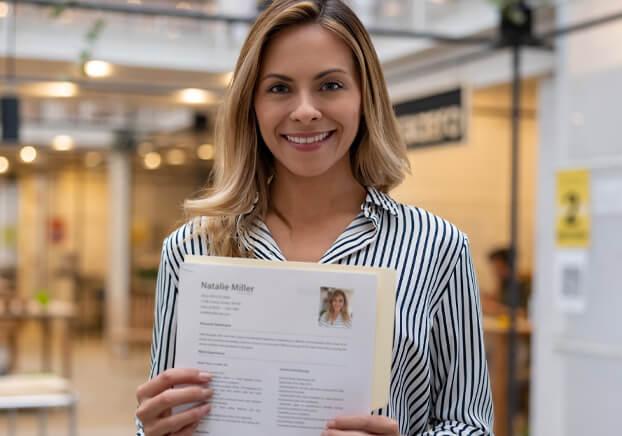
243, 164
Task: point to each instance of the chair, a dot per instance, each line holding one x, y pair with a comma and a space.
41, 392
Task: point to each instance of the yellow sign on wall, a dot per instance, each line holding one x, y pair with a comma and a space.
573, 209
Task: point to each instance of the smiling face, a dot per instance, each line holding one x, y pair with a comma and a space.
308, 100
337, 304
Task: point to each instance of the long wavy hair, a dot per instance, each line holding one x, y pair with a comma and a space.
239, 187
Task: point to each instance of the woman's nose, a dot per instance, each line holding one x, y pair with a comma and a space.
305, 111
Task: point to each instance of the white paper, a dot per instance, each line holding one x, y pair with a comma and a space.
569, 283
278, 370
607, 195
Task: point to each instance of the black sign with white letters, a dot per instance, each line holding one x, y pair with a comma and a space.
434, 120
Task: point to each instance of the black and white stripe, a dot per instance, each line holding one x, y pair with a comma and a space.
439, 376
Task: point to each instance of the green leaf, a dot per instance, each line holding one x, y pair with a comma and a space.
85, 56
95, 30
43, 297
91, 36
57, 11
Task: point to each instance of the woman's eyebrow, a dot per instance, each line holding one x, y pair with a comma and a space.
317, 76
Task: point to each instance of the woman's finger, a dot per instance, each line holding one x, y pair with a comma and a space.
187, 430
165, 401
168, 379
373, 424
175, 423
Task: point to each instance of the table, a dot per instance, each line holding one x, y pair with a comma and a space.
14, 313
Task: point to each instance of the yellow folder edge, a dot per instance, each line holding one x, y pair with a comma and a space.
385, 311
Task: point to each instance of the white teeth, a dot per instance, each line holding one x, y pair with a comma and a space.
299, 140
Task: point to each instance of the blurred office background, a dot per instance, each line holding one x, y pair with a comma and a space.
115, 102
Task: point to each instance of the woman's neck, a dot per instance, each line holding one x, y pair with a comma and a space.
304, 200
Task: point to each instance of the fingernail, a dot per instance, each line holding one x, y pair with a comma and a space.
204, 377
330, 424
205, 409
207, 393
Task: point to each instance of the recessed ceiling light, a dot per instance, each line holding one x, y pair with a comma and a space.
205, 152
175, 156
62, 89
4, 165
195, 96
152, 160
97, 69
28, 154
54, 89
62, 143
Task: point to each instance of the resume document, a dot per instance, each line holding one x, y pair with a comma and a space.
290, 345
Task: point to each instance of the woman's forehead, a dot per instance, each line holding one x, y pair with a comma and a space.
306, 50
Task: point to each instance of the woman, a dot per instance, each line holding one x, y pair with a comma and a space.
307, 150
337, 314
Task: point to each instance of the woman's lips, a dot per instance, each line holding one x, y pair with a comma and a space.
309, 146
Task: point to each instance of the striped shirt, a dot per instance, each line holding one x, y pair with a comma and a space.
439, 377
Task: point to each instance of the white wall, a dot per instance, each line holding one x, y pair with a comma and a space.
577, 362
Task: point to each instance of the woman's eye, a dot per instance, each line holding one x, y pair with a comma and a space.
278, 89
331, 86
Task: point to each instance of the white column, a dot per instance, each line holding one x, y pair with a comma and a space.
118, 276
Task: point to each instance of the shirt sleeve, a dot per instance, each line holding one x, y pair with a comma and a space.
460, 387
165, 322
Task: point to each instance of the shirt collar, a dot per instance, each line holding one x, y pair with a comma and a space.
374, 197
380, 200
254, 237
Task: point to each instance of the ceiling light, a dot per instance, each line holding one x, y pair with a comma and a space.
28, 154
4, 165
93, 158
175, 156
195, 96
62, 89
97, 69
54, 89
205, 152
152, 160
4, 9
62, 143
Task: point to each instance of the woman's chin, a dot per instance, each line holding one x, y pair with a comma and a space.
308, 171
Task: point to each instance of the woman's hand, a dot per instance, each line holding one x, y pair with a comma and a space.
158, 396
361, 426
